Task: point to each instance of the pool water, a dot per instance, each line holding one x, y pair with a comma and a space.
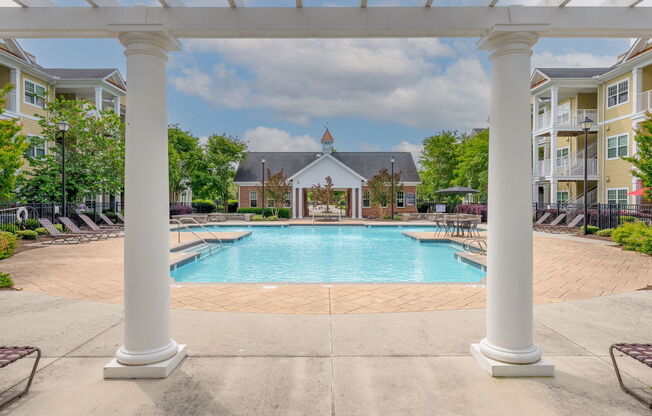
323, 254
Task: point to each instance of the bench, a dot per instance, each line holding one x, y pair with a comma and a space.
640, 352
9, 355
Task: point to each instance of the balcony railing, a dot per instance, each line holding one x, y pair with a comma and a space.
570, 165
644, 101
572, 119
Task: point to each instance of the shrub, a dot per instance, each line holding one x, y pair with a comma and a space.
605, 233
41, 231
282, 212
9, 228
27, 234
111, 215
8, 244
272, 218
635, 236
58, 227
204, 206
29, 224
257, 218
475, 209
5, 280
232, 206
590, 229
180, 210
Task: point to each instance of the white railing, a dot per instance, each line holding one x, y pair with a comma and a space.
542, 168
591, 198
572, 119
10, 105
644, 101
571, 165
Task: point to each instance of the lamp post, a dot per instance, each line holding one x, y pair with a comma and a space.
392, 160
264, 202
62, 128
586, 126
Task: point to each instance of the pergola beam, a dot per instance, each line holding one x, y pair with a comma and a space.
323, 22
171, 3
492, 3
621, 3
34, 3
363, 3
428, 3
553, 3
104, 3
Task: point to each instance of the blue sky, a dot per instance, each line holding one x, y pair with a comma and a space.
374, 94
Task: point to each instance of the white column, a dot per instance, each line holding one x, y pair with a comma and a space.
98, 98
148, 351
300, 202
14, 104
553, 153
535, 111
360, 203
637, 88
509, 337
116, 105
553, 191
294, 202
354, 204
554, 104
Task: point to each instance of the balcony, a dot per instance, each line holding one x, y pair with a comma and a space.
569, 121
11, 102
570, 167
644, 101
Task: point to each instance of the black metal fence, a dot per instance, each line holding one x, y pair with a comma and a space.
602, 216
13, 215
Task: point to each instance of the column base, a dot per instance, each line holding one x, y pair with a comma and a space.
162, 369
541, 368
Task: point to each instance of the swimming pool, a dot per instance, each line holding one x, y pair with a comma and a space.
330, 254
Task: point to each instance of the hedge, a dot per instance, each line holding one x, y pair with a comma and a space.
5, 280
635, 236
268, 212
204, 206
8, 244
180, 210
28, 234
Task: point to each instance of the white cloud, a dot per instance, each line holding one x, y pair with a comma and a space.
267, 139
368, 147
394, 80
571, 60
405, 146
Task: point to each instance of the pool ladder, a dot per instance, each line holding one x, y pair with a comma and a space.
180, 224
480, 245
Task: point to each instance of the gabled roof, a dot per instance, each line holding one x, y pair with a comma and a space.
572, 72
328, 156
366, 164
79, 73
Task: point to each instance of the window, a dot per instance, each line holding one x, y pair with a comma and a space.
400, 199
89, 200
562, 196
253, 199
366, 199
562, 155
618, 93
617, 146
564, 113
617, 196
34, 93
37, 148
288, 200
270, 203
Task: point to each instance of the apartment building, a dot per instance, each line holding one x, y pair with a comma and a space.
616, 99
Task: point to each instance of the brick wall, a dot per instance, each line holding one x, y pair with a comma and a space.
373, 211
243, 196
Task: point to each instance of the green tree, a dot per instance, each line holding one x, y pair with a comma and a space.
12, 147
438, 162
184, 159
472, 169
324, 195
642, 161
380, 189
94, 154
276, 189
216, 169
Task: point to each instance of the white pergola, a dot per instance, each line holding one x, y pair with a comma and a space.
508, 33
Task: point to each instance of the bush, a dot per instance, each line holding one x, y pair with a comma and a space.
590, 229
111, 215
5, 280
8, 244
272, 218
232, 205
41, 231
204, 206
282, 212
475, 209
9, 228
605, 233
635, 236
27, 234
257, 218
627, 218
180, 210
29, 224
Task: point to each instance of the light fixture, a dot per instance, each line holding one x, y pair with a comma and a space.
63, 127
586, 124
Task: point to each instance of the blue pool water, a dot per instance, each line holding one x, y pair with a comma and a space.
330, 254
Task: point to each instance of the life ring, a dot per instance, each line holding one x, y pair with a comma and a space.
22, 214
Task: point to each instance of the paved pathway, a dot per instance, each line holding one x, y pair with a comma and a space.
565, 269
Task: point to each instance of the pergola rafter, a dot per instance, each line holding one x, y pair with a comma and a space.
35, 3
172, 3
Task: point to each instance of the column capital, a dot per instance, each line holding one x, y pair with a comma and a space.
153, 43
502, 42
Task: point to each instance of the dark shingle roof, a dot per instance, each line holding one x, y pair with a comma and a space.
79, 73
573, 72
367, 164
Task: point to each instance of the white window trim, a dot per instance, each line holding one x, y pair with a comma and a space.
606, 147
45, 146
563, 192
399, 199
365, 205
606, 194
559, 157
606, 93
253, 199
25, 81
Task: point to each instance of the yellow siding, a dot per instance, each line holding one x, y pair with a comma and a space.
622, 109
587, 101
617, 172
647, 78
26, 108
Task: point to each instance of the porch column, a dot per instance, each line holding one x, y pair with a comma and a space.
508, 348
354, 203
116, 105
637, 88
148, 351
553, 153
300, 202
14, 103
360, 203
294, 203
98, 98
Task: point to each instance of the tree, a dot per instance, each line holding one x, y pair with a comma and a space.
324, 195
472, 168
438, 161
276, 188
12, 147
380, 189
216, 169
642, 161
94, 153
184, 158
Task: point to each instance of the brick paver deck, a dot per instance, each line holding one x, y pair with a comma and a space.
565, 269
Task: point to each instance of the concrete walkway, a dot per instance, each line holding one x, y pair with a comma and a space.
365, 364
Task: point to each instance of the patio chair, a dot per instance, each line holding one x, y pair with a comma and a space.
640, 352
543, 219
570, 227
9, 355
553, 225
92, 235
58, 236
108, 221
111, 231
120, 217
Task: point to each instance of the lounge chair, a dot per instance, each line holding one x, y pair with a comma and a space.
553, 225
9, 355
108, 221
120, 217
58, 236
543, 219
640, 352
111, 231
570, 227
92, 235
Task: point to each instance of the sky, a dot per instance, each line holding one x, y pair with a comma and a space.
373, 94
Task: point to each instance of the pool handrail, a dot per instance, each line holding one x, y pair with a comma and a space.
180, 223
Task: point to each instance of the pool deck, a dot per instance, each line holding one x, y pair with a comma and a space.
565, 268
